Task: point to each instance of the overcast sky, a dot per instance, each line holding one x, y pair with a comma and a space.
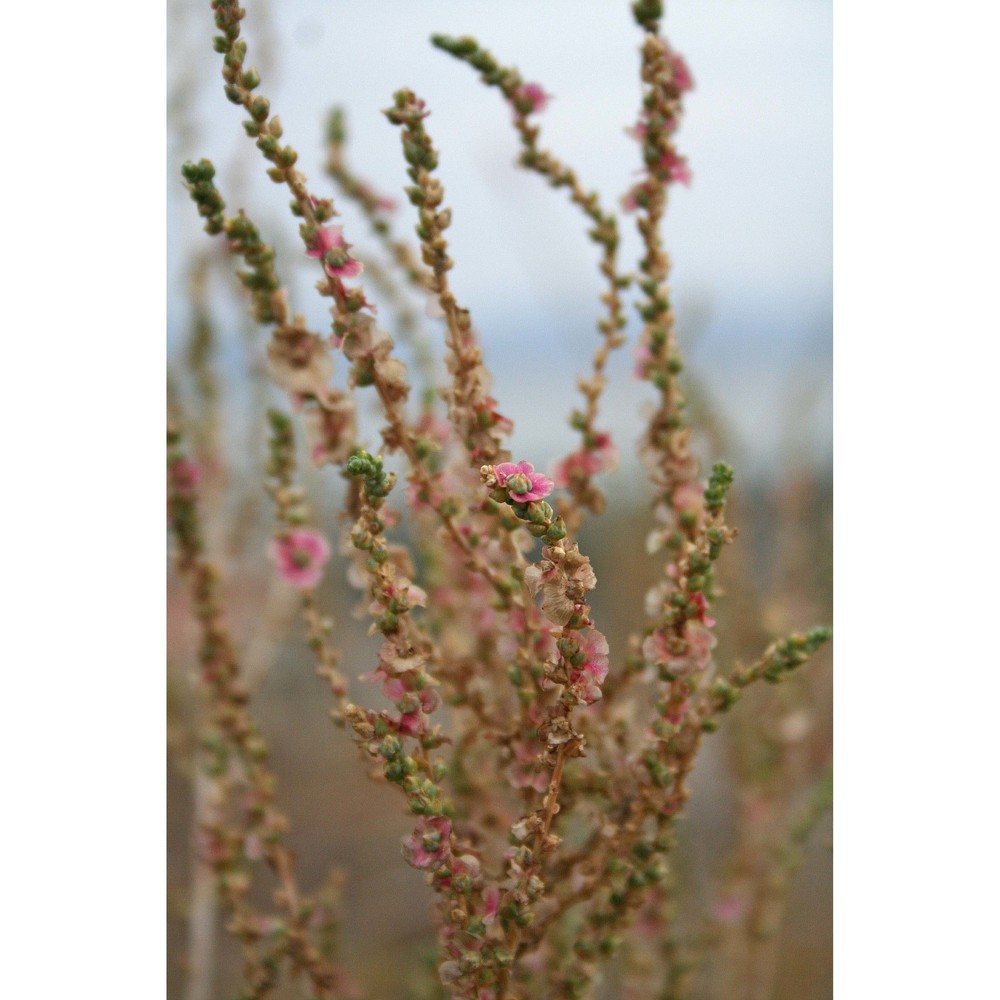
750, 239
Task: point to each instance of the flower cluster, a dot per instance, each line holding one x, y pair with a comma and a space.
657, 124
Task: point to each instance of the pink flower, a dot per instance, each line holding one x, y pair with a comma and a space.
595, 648
586, 462
590, 675
640, 129
643, 357
637, 131
521, 481
525, 772
630, 200
429, 843
413, 710
700, 642
491, 897
253, 847
212, 846
689, 497
699, 600
328, 245
683, 80
330, 428
676, 167
680, 656
300, 555
184, 477
487, 416
729, 910
532, 97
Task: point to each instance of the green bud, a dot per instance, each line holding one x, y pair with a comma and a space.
260, 108
555, 532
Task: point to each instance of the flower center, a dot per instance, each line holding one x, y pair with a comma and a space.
518, 483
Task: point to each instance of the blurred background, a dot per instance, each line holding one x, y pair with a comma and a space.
751, 246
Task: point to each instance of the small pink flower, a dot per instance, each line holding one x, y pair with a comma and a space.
253, 847
589, 677
488, 416
689, 497
676, 167
686, 656
640, 129
675, 712
729, 910
700, 642
212, 846
184, 477
521, 481
637, 131
392, 687
525, 772
643, 357
576, 465
491, 897
533, 95
413, 710
683, 80
699, 600
595, 648
428, 845
300, 555
328, 245
586, 462
266, 926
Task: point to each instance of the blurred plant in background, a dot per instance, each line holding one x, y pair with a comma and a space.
542, 736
